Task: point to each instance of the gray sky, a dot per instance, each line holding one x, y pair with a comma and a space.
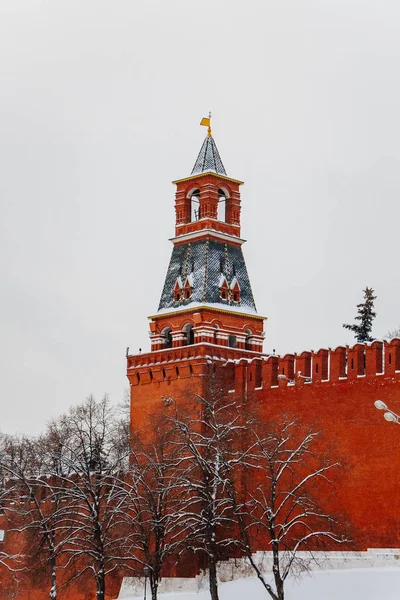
99, 110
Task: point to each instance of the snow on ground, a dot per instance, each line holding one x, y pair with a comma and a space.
349, 584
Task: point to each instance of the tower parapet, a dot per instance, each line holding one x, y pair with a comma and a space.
328, 366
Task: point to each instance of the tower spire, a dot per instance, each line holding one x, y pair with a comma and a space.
208, 158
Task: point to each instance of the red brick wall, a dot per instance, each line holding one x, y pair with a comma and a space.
334, 394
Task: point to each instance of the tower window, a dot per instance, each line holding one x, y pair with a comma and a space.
195, 205
167, 333
215, 334
221, 211
247, 344
189, 334
232, 342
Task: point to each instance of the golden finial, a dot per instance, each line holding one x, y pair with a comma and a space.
206, 121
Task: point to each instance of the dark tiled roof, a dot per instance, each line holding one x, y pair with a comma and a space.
205, 261
208, 159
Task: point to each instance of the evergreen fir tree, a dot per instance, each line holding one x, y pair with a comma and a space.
365, 314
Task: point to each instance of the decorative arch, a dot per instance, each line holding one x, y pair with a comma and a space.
188, 333
167, 334
194, 197
247, 341
223, 197
216, 327
232, 341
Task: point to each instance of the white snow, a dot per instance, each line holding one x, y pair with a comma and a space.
348, 584
245, 310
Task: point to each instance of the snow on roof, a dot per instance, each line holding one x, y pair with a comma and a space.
247, 310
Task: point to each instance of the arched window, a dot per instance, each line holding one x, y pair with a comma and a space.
247, 344
189, 334
194, 205
167, 333
232, 342
215, 334
221, 211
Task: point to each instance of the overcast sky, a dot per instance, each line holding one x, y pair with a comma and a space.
100, 104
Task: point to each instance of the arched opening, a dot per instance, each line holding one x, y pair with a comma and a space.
221, 211
232, 342
189, 334
215, 339
247, 343
167, 334
195, 205
163, 373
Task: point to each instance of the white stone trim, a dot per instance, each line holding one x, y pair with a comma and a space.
216, 234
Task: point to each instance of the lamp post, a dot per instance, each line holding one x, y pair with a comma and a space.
389, 414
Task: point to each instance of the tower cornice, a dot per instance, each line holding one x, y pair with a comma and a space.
207, 174
207, 233
207, 307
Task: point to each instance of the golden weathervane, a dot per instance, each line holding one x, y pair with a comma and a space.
206, 121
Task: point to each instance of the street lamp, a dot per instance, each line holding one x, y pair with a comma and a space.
389, 414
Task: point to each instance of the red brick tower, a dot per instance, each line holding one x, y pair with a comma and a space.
207, 310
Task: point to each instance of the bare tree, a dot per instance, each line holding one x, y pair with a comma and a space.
210, 451
90, 479
152, 505
32, 507
282, 502
392, 333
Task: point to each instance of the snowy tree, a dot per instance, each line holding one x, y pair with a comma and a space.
32, 507
365, 316
93, 461
209, 441
393, 333
152, 507
282, 502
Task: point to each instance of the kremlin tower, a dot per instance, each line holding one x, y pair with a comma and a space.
207, 308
